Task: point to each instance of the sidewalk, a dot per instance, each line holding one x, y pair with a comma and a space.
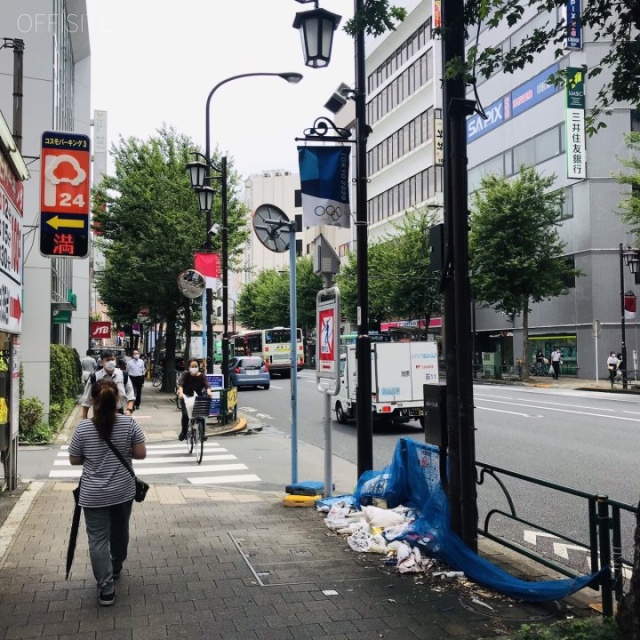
233, 564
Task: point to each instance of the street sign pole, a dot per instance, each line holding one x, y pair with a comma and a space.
596, 330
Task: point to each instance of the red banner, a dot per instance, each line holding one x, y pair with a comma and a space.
100, 330
208, 264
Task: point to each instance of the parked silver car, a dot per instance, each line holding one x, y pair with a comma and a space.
249, 371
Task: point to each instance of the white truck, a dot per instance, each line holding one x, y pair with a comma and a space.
398, 372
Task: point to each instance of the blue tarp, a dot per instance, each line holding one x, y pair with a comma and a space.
413, 480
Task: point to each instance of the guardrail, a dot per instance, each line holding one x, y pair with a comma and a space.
605, 537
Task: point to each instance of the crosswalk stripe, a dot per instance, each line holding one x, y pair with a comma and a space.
223, 479
185, 458
167, 445
159, 471
158, 455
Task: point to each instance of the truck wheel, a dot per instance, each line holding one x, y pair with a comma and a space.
422, 422
341, 417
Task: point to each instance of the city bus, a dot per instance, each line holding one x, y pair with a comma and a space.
274, 345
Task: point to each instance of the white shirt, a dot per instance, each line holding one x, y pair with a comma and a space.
135, 367
125, 392
556, 356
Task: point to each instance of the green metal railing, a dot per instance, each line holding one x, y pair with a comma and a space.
605, 536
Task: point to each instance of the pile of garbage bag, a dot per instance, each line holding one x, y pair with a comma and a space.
402, 511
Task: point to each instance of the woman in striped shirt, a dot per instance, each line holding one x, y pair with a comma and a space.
107, 488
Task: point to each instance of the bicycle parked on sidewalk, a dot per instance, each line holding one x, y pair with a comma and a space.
195, 434
539, 369
156, 379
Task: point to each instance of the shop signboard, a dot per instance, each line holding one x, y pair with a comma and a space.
11, 202
64, 194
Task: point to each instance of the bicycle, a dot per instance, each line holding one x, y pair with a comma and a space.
156, 379
539, 369
195, 435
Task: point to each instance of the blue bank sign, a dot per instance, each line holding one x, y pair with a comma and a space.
513, 104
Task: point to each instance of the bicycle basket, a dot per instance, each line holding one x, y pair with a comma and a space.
201, 408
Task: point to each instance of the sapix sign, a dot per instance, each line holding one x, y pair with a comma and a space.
496, 114
100, 330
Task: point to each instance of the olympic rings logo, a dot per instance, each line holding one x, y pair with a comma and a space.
335, 213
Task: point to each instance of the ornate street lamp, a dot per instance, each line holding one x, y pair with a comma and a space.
630, 257
316, 32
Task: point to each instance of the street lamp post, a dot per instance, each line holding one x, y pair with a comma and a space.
316, 28
201, 172
630, 257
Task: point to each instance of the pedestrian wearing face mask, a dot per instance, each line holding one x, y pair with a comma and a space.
192, 382
126, 394
135, 369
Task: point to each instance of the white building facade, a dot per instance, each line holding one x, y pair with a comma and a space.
56, 96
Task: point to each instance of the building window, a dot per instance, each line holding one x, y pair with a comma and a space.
567, 205
570, 280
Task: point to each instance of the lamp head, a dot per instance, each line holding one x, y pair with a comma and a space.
197, 173
205, 198
316, 32
291, 77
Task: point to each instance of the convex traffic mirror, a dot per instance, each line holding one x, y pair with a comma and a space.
191, 283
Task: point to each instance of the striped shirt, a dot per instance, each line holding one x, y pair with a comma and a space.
105, 481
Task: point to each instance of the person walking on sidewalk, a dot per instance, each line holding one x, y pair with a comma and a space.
89, 365
126, 393
107, 488
556, 361
136, 369
612, 366
192, 382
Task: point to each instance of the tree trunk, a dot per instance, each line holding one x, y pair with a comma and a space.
524, 367
628, 615
169, 377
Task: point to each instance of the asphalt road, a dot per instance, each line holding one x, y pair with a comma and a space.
583, 440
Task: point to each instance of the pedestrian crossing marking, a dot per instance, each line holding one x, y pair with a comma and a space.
184, 458
163, 471
224, 479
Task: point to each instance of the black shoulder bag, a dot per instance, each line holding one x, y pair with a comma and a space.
141, 486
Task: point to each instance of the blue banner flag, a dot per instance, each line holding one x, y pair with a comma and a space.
324, 184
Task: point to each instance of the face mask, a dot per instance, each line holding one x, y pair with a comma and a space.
193, 371
110, 366
136, 356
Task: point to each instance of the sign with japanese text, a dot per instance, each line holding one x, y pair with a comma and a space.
574, 28
11, 202
65, 161
438, 141
327, 356
100, 330
574, 125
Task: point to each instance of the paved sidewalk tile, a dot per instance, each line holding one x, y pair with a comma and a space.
230, 564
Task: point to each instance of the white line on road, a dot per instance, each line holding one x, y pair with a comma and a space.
160, 471
224, 479
184, 458
561, 549
581, 413
532, 536
513, 413
167, 445
564, 404
477, 395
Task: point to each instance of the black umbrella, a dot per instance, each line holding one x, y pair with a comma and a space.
73, 534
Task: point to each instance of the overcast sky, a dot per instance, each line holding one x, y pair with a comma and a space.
154, 62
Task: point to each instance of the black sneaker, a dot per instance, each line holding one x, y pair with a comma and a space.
182, 436
107, 599
116, 574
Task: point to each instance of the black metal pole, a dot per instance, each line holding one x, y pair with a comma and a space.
364, 427
459, 108
18, 55
225, 286
623, 323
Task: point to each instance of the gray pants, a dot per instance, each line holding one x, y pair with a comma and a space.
108, 532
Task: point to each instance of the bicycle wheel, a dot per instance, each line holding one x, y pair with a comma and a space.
200, 445
156, 381
191, 438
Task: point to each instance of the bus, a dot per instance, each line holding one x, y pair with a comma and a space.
350, 338
274, 345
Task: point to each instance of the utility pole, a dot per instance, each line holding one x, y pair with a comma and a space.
458, 357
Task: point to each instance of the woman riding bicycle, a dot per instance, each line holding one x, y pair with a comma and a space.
192, 382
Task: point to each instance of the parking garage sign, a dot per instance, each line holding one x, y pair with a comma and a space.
64, 194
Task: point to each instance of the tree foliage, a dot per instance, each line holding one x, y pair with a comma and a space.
401, 285
630, 204
264, 302
151, 227
515, 247
614, 25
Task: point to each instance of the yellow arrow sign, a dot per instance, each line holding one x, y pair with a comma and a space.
65, 223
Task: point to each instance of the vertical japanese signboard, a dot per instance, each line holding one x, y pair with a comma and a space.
64, 194
11, 203
438, 140
574, 28
574, 126
327, 344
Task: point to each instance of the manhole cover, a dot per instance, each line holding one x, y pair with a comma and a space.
300, 552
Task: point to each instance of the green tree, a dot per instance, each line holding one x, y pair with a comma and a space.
151, 227
401, 285
515, 248
264, 302
614, 25
630, 204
